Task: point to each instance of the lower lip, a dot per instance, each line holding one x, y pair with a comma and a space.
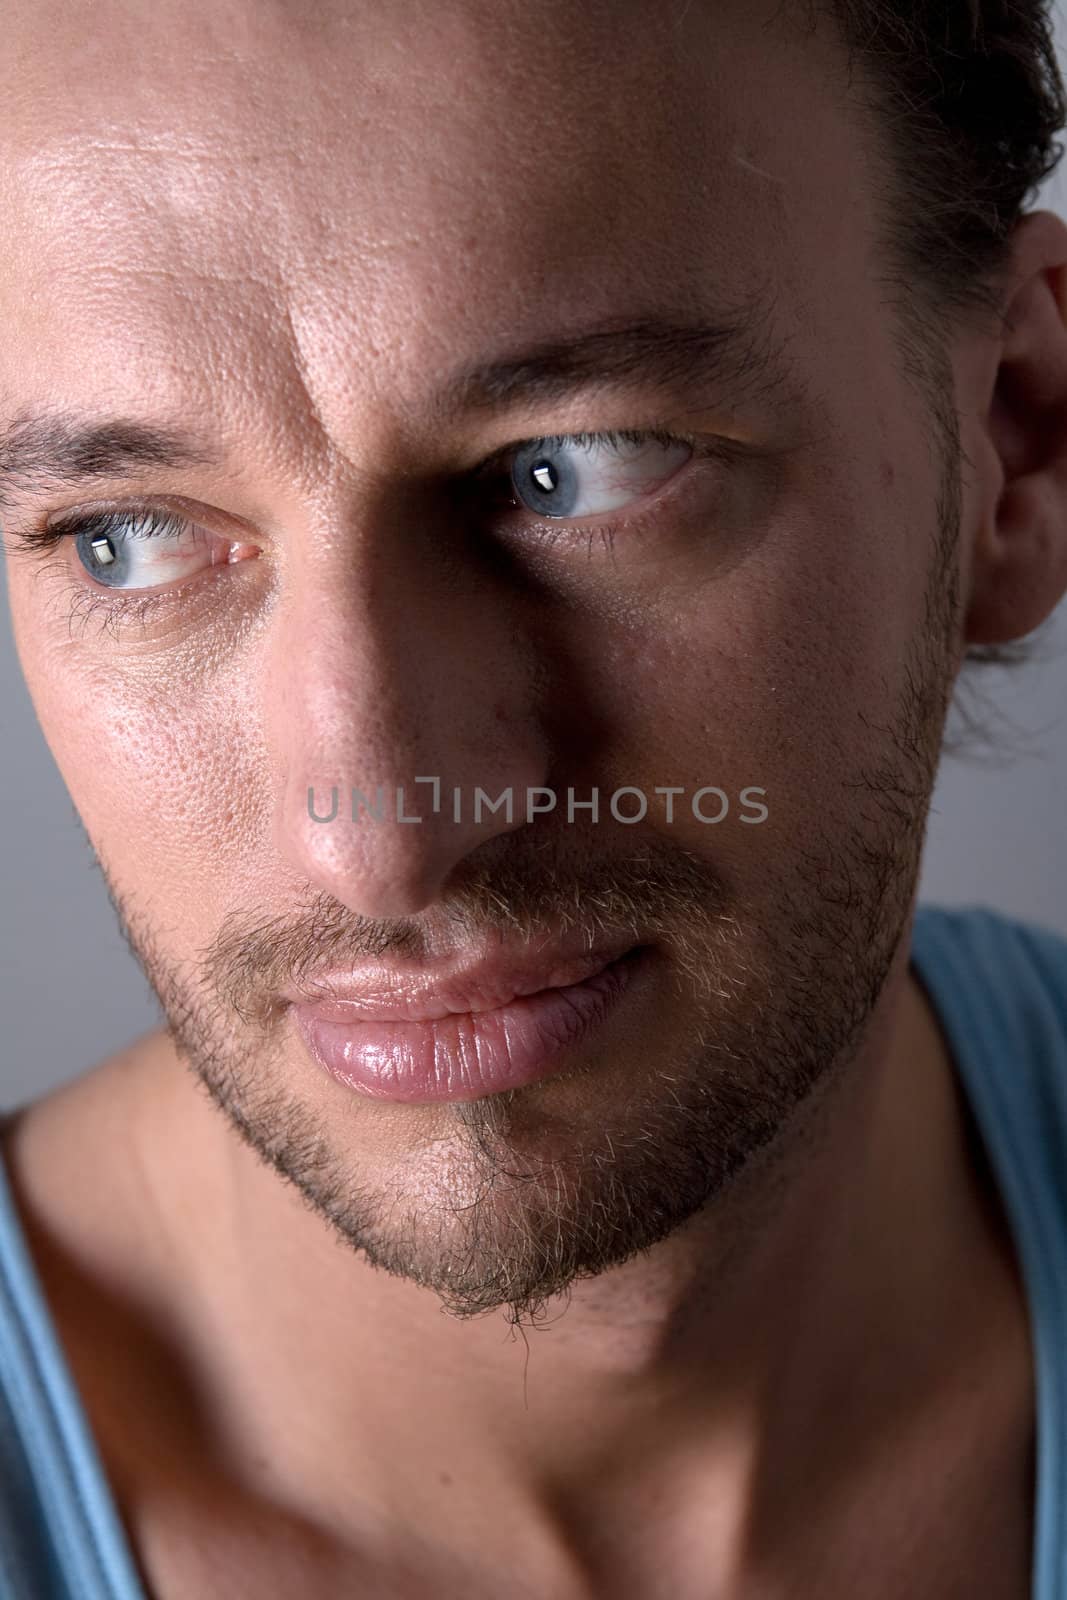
468, 1054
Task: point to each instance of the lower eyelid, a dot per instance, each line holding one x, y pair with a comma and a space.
112, 605
115, 608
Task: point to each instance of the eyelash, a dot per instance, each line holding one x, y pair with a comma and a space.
146, 522
497, 470
116, 607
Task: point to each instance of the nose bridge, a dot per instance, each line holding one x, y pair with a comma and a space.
390, 665
352, 701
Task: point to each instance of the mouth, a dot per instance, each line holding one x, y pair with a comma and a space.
469, 982
493, 1026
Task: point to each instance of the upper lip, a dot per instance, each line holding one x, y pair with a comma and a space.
380, 992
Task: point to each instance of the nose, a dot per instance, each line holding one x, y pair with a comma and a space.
400, 716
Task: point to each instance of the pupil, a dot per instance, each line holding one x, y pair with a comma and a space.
103, 550
544, 475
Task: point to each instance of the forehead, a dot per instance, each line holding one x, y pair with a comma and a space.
199, 192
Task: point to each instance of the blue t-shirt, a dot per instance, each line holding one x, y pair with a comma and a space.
999, 987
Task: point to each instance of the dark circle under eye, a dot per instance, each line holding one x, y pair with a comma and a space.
545, 481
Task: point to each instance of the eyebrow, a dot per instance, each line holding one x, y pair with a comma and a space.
731, 352
53, 449
58, 448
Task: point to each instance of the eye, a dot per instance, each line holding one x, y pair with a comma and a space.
583, 474
144, 549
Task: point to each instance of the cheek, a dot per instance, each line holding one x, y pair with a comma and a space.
167, 784
787, 674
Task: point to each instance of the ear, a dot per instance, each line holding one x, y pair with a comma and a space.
1018, 564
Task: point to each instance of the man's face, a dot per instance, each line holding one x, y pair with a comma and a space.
286, 229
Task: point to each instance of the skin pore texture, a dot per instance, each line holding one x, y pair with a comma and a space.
727, 1307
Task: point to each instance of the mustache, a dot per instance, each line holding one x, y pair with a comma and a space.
526, 889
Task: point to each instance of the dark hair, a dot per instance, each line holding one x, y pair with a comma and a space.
966, 98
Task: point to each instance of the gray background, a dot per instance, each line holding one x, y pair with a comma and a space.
70, 993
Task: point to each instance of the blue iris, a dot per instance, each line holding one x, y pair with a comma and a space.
545, 481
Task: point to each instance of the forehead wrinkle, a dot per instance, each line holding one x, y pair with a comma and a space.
198, 160
306, 239
304, 378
